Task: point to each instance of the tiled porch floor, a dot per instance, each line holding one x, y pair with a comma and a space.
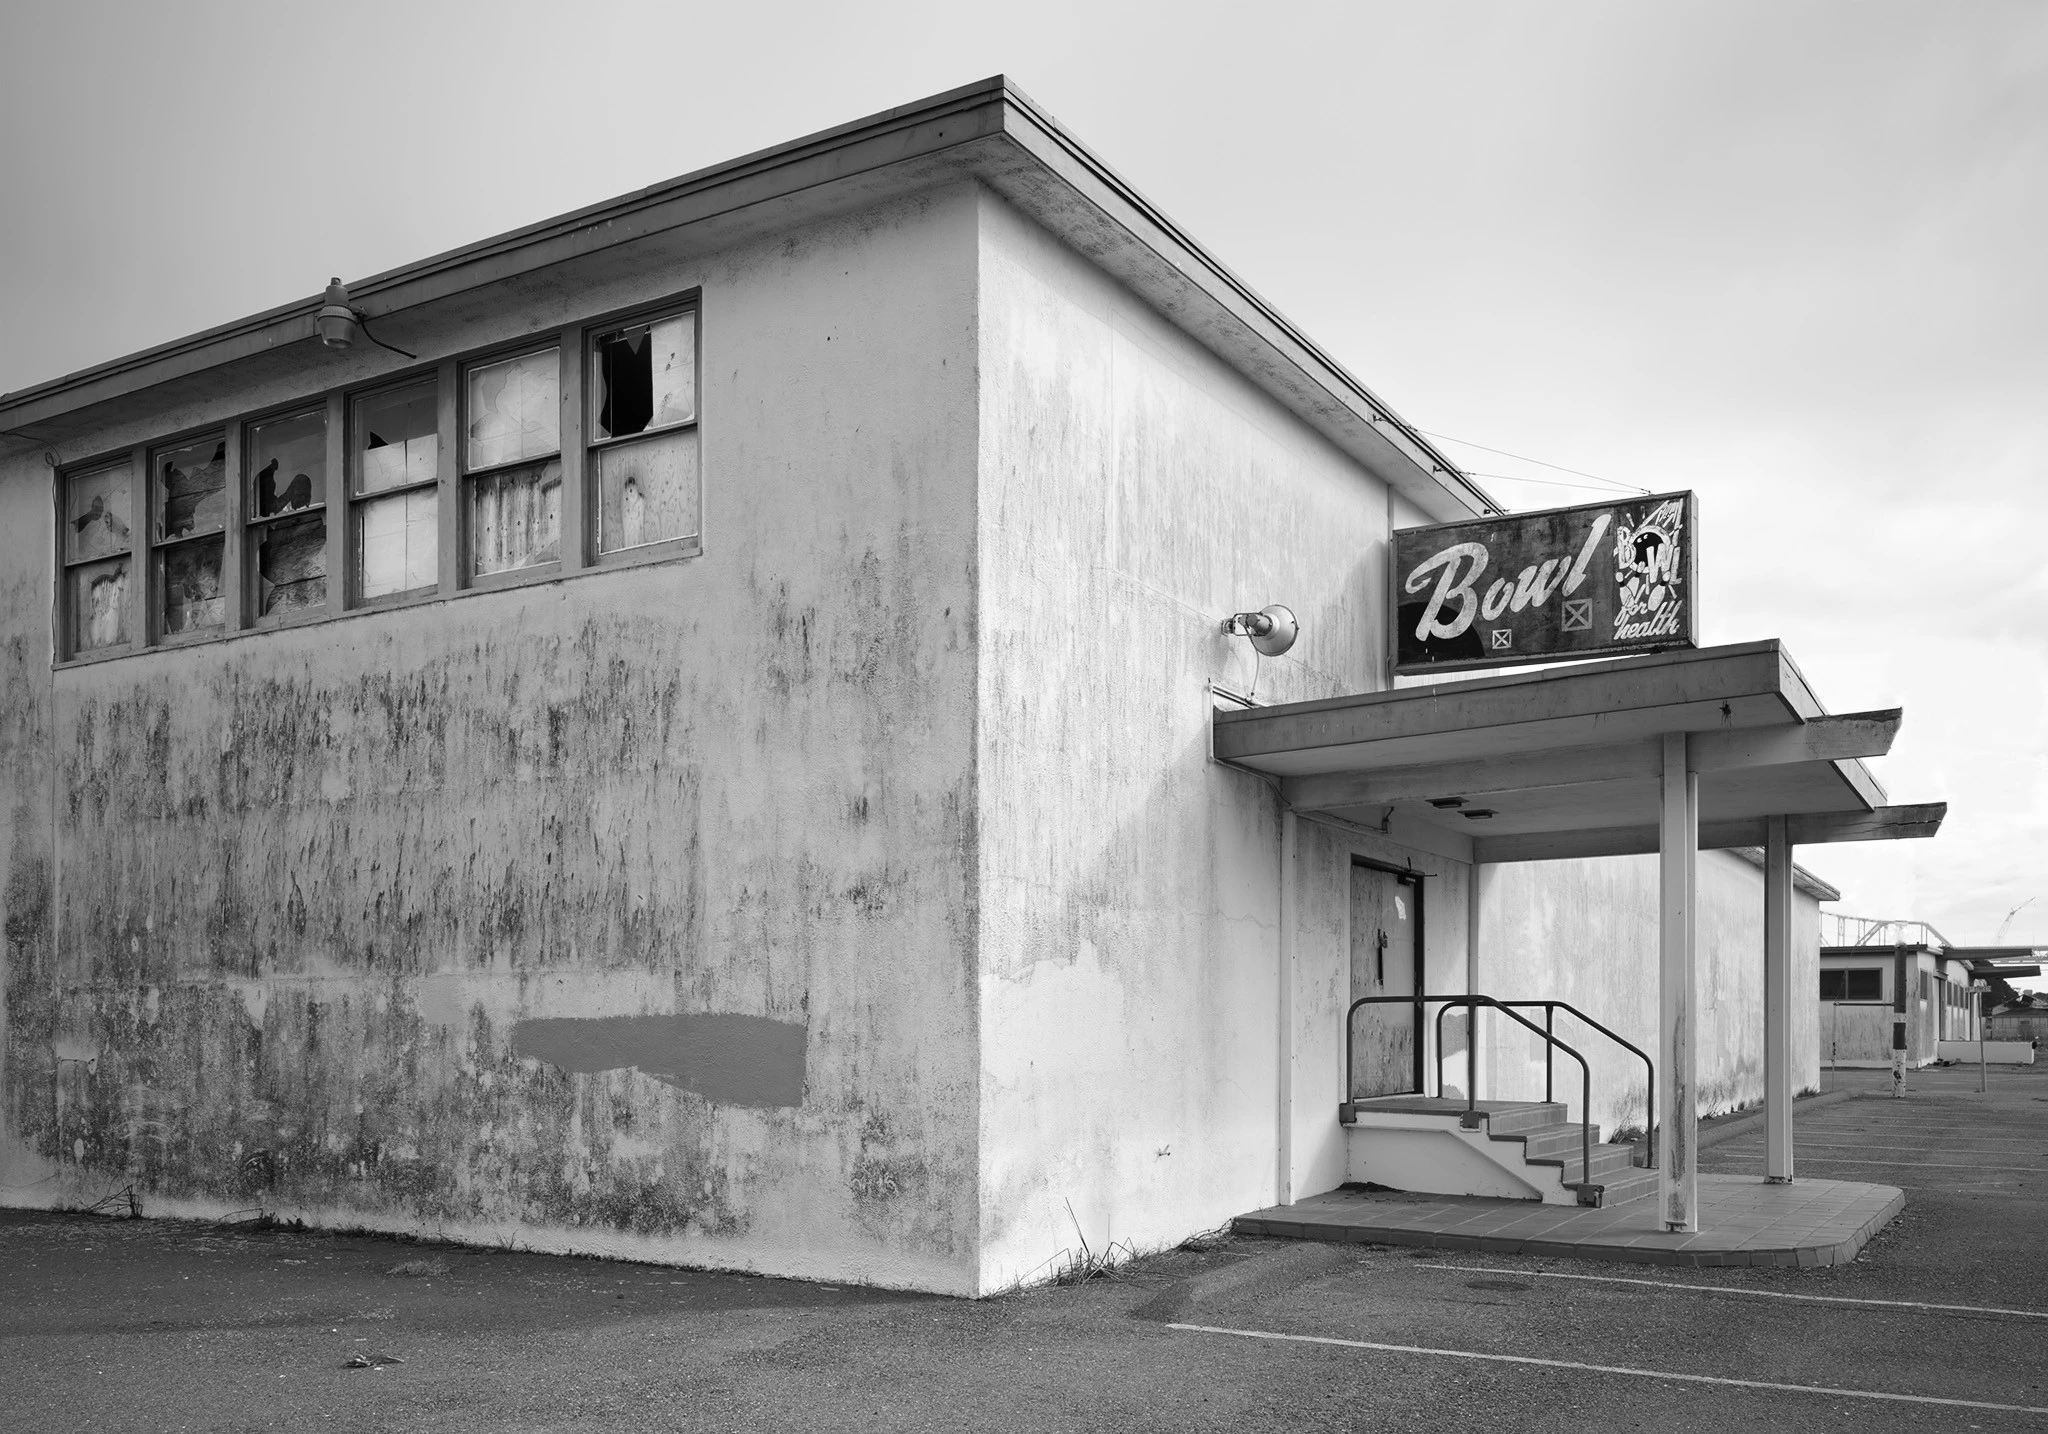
1743, 1221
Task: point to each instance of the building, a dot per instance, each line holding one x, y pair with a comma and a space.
2022, 1021
702, 731
1892, 980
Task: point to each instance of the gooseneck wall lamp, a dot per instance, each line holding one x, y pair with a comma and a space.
1272, 629
339, 321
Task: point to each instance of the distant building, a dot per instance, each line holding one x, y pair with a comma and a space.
1906, 968
2023, 1020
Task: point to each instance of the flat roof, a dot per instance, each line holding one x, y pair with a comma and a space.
989, 130
1568, 761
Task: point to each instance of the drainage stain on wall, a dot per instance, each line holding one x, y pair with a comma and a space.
383, 921
739, 1060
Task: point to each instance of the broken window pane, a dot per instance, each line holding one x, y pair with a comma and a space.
288, 461
515, 518
191, 586
291, 565
397, 438
644, 376
99, 605
514, 410
191, 491
96, 514
647, 491
400, 543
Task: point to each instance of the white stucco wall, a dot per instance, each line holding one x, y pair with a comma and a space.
1585, 931
1135, 491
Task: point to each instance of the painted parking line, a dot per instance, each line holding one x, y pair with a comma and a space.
1926, 1164
1823, 1389
1733, 1290
1944, 1141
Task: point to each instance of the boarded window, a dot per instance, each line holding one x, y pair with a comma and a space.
398, 438
511, 438
400, 543
647, 491
188, 503
287, 498
396, 457
643, 406
516, 517
99, 540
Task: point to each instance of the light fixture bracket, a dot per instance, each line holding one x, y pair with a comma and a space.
1272, 629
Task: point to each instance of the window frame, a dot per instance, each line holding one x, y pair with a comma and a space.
246, 618
135, 459
465, 550
578, 544
158, 633
440, 377
688, 545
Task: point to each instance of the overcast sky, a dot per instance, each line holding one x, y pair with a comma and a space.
1789, 256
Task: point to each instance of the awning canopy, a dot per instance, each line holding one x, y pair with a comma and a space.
1567, 761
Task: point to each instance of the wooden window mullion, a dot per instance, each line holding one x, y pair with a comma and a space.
337, 510
448, 474
571, 547
141, 567
234, 565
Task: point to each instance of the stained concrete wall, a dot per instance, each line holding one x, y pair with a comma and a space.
1135, 492
388, 921
431, 920
1585, 931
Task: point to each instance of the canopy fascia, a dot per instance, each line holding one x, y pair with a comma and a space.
1566, 762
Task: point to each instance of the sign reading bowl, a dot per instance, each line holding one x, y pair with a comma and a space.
1596, 581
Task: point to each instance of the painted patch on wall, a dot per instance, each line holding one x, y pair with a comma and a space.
738, 1060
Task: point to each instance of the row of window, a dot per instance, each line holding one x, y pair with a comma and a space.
251, 524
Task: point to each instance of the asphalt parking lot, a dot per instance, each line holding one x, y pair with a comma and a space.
1942, 1324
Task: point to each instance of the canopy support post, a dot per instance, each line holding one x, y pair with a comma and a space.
1777, 1004
1678, 860
1290, 837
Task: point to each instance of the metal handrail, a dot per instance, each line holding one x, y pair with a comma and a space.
1649, 1067
1470, 1119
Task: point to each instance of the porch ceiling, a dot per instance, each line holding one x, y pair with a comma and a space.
1567, 760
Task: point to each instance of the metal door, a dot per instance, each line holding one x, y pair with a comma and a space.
1386, 960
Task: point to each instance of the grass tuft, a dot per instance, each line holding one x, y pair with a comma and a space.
1088, 1263
419, 1269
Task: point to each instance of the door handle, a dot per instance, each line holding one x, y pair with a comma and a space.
1380, 959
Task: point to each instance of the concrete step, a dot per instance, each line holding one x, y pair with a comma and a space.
1551, 1141
1609, 1162
1522, 1117
1607, 1159
1621, 1189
